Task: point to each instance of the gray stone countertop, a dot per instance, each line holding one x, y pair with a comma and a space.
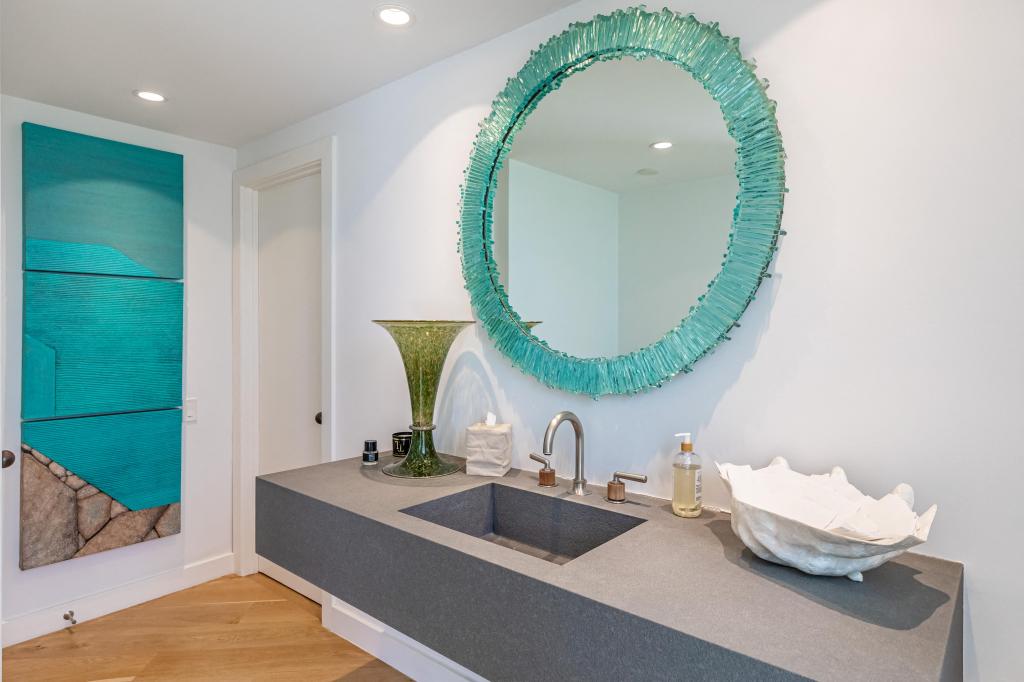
695, 576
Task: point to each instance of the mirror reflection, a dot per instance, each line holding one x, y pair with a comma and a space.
613, 208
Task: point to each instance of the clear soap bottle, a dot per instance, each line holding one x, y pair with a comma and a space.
686, 489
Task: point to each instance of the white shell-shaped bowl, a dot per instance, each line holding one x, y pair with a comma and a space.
821, 524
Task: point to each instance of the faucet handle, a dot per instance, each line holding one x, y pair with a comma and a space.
617, 489
546, 476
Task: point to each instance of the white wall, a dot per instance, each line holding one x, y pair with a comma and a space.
34, 600
563, 236
671, 240
888, 340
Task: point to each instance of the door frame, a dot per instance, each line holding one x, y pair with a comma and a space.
317, 157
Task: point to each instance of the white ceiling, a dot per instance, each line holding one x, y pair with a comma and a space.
232, 70
598, 126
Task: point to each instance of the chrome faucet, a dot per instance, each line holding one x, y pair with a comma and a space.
579, 483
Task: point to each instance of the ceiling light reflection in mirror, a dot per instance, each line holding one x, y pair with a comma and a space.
150, 96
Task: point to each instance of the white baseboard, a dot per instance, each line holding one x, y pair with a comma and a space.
47, 620
402, 653
290, 580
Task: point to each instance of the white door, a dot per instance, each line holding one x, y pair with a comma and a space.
289, 336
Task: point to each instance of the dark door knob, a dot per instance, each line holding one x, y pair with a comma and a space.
8, 459
319, 419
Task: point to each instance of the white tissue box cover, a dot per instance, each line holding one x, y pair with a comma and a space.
488, 449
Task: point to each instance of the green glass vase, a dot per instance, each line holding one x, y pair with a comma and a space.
424, 345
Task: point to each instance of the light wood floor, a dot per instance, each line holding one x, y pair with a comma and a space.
231, 629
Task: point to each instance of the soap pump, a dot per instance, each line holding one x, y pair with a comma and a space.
686, 484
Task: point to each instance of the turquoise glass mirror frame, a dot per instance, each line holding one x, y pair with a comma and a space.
716, 63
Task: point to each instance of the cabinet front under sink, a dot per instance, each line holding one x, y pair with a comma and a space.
545, 527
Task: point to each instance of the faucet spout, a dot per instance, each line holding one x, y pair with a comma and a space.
579, 483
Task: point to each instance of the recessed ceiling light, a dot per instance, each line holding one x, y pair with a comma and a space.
394, 15
150, 96
664, 144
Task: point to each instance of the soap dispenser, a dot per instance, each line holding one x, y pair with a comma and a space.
686, 484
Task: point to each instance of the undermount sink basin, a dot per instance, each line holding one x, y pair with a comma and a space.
548, 528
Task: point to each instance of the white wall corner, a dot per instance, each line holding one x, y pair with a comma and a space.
50, 619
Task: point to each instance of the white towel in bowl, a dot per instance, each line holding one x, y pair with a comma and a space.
488, 449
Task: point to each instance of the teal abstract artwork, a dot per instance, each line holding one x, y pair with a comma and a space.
102, 339
134, 458
98, 206
100, 344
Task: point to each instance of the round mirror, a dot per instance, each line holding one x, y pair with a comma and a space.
623, 202
613, 207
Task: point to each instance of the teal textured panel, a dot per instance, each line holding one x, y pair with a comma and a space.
38, 371
135, 458
116, 344
98, 206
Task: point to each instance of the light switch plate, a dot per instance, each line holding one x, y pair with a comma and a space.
191, 409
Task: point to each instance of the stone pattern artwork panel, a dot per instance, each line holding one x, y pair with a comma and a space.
134, 457
63, 517
102, 345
